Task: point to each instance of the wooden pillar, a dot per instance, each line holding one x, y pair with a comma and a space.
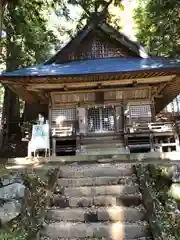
177, 142
82, 126
119, 118
50, 127
153, 111
82, 120
54, 147
151, 142
178, 103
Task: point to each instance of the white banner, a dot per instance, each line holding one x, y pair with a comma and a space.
40, 137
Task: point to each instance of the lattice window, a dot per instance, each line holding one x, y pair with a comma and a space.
94, 124
108, 119
63, 115
141, 113
103, 50
97, 48
101, 119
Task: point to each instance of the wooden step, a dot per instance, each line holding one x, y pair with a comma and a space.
102, 145
101, 140
102, 151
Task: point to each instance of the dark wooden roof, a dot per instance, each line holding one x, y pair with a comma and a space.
136, 49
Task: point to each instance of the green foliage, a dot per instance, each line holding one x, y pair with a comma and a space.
16, 235
158, 26
98, 8
163, 221
162, 183
28, 40
3, 170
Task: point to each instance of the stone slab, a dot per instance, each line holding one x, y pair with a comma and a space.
115, 213
114, 190
97, 181
9, 211
12, 191
96, 170
127, 200
115, 231
121, 214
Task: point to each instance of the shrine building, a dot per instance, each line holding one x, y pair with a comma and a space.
102, 94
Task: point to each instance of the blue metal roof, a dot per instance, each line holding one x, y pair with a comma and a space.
106, 65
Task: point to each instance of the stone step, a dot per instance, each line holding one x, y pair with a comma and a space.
97, 181
96, 170
94, 238
126, 200
114, 190
103, 214
115, 231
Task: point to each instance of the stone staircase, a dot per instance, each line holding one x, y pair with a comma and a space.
96, 201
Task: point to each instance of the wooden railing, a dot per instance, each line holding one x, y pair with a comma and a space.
161, 136
178, 127
64, 130
153, 127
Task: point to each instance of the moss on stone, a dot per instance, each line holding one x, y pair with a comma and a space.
164, 222
29, 222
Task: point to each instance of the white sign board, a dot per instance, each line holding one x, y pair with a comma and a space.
40, 137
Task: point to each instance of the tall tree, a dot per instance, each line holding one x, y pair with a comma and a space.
158, 26
27, 42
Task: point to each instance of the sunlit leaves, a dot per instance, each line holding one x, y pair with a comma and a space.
93, 8
158, 26
30, 42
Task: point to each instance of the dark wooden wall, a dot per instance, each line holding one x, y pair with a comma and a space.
95, 45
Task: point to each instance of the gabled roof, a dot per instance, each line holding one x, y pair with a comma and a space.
104, 65
114, 34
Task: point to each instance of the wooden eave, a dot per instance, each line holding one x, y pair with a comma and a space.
24, 80
38, 89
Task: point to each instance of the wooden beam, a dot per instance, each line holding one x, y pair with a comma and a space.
101, 90
114, 102
152, 80
24, 94
159, 96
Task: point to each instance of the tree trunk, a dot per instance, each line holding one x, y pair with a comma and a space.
11, 105
2, 7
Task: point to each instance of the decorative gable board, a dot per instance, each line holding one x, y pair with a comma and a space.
96, 44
